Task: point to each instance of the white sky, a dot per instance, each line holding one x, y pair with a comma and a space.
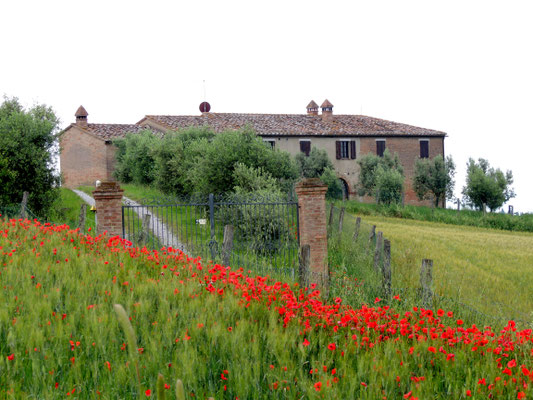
463, 67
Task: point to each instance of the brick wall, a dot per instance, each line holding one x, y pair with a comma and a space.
108, 199
313, 230
83, 158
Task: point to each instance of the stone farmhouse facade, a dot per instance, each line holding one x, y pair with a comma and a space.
87, 152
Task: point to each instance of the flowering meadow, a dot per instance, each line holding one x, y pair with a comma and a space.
225, 333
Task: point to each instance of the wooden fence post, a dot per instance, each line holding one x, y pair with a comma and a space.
81, 220
426, 279
227, 245
304, 258
330, 221
458, 206
372, 233
23, 205
387, 274
357, 227
377, 252
145, 230
341, 219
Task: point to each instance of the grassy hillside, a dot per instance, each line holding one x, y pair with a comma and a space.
225, 334
485, 268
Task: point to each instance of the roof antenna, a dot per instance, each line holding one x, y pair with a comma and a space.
205, 107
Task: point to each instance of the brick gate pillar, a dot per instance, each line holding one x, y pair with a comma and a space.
311, 194
108, 199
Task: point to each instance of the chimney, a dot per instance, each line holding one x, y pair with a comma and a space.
312, 108
327, 111
81, 116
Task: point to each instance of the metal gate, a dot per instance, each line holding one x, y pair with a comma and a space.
265, 229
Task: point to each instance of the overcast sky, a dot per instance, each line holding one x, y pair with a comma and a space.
463, 67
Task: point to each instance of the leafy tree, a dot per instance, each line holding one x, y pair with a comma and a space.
381, 177
253, 180
213, 164
135, 158
486, 186
318, 165
329, 177
434, 178
28, 146
175, 155
389, 185
315, 164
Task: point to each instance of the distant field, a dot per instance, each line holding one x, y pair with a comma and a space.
494, 220
488, 269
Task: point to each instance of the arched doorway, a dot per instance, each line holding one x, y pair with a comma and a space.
345, 189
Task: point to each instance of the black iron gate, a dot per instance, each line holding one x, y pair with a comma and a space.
265, 229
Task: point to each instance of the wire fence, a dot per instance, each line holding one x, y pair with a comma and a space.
357, 256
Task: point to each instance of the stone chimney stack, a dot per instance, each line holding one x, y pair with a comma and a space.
81, 116
327, 111
312, 108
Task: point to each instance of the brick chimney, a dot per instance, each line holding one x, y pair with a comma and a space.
312, 108
327, 111
81, 116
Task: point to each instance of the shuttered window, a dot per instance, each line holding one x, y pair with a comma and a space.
380, 147
305, 146
352, 150
424, 149
345, 149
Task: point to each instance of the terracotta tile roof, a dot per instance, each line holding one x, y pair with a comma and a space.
312, 104
112, 131
295, 124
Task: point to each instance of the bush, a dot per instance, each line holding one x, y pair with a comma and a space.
261, 228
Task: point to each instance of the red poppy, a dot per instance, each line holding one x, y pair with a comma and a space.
332, 346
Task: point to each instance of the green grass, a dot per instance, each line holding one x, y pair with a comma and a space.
500, 221
485, 269
66, 210
223, 333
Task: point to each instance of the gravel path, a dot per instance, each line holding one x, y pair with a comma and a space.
85, 197
159, 229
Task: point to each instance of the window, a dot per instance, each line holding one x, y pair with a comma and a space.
380, 147
345, 149
271, 142
305, 146
424, 149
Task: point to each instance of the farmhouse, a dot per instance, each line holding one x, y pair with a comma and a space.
87, 152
